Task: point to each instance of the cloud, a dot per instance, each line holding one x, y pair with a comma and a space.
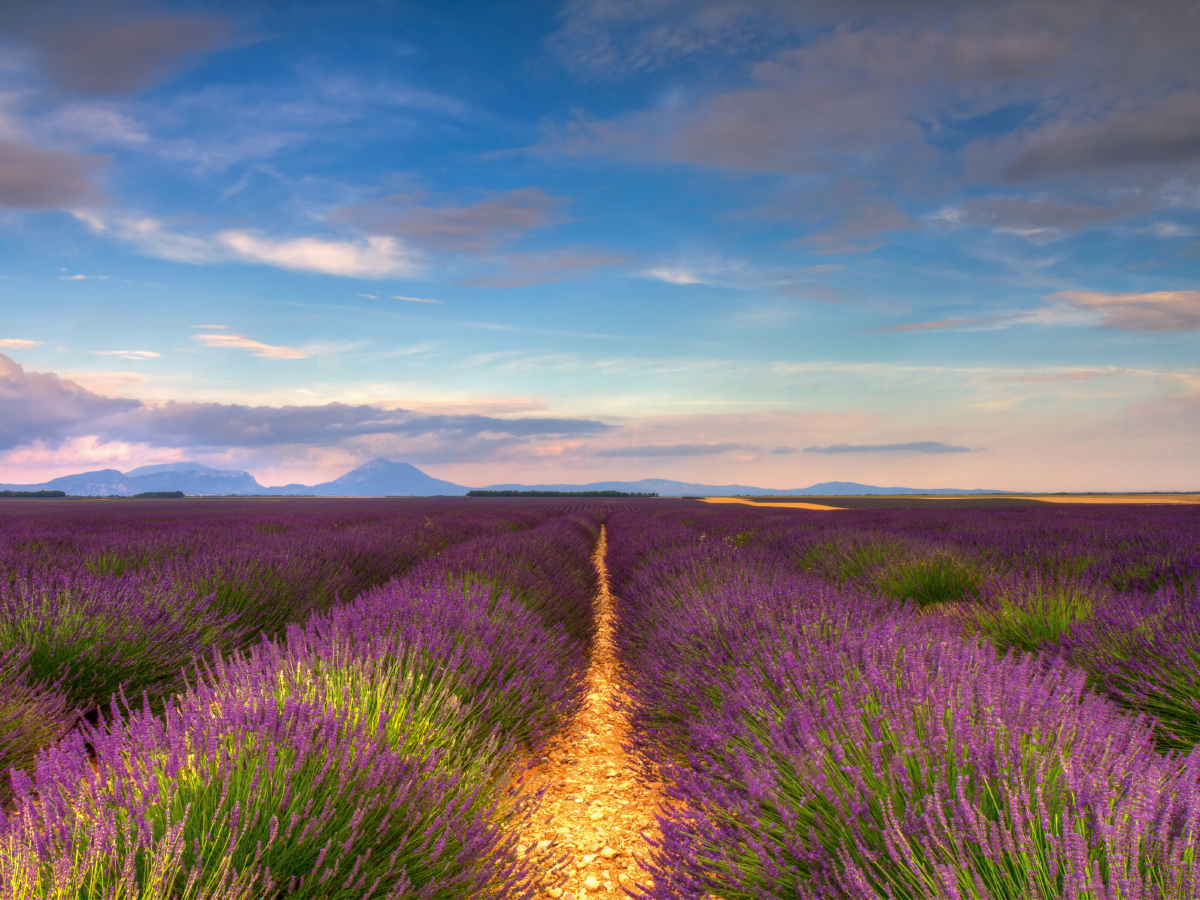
376, 257
544, 267
738, 274
945, 323
676, 275
94, 123
1080, 375
500, 217
1163, 131
416, 299
31, 178
228, 425
856, 229
152, 237
83, 278
610, 39
129, 354
1154, 311
18, 344
918, 100
98, 56
671, 450
780, 451
913, 447
241, 342
44, 407
1038, 221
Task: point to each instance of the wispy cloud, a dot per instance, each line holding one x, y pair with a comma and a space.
1080, 375
545, 267
1154, 311
500, 217
129, 354
18, 343
911, 447
1055, 314
375, 257
82, 277
416, 299
671, 450
677, 275
258, 348
740, 275
372, 256
944, 323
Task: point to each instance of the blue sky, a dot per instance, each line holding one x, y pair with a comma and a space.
933, 244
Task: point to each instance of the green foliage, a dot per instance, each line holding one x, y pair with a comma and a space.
1032, 615
936, 578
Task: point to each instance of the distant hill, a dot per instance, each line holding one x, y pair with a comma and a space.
378, 478
666, 488
385, 478
191, 478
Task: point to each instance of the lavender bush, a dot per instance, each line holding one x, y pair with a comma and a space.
365, 753
824, 743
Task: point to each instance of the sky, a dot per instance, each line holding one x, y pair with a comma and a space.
766, 242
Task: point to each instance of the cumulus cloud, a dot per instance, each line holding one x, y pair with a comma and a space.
670, 450
911, 447
1153, 311
482, 226
18, 343
46, 408
32, 178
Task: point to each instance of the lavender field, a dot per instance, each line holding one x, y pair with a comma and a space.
335, 698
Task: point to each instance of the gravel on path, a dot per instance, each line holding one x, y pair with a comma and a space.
598, 810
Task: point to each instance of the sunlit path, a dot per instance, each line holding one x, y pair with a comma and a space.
597, 812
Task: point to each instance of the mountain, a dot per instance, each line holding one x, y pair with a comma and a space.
378, 478
191, 478
384, 478
666, 488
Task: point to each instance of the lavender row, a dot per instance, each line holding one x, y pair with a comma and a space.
368, 752
1112, 590
94, 600
826, 743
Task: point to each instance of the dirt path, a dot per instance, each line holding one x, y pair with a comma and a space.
588, 834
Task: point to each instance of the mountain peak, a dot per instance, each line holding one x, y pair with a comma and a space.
168, 467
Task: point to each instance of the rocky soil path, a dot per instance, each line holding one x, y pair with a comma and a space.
591, 828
